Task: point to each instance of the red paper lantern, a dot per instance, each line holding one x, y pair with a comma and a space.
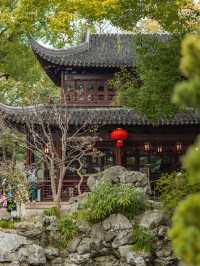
119, 144
119, 135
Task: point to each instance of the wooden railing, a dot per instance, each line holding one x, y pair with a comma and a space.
94, 98
69, 189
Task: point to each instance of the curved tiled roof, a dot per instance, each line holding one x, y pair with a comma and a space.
97, 116
99, 50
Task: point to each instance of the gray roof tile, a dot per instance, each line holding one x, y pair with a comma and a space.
99, 50
97, 116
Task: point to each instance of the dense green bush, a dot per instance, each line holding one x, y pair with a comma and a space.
144, 239
7, 224
185, 232
173, 188
108, 199
53, 211
68, 230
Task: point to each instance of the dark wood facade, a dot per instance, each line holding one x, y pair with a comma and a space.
83, 74
86, 88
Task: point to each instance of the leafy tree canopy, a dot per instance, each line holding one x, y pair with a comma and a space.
157, 71
58, 22
186, 230
185, 226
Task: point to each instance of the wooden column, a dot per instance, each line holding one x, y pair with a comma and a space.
62, 91
118, 156
30, 157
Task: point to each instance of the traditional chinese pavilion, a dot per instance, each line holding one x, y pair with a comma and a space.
82, 74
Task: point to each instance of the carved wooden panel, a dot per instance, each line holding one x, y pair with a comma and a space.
87, 90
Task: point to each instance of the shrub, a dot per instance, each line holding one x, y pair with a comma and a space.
185, 231
7, 224
108, 199
68, 230
54, 211
173, 188
144, 239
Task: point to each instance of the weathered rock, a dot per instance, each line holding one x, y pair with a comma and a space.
113, 174
30, 230
138, 259
50, 223
106, 261
67, 263
107, 243
116, 223
51, 252
124, 250
57, 262
152, 218
32, 254
85, 246
164, 250
156, 205
84, 227
73, 244
14, 263
165, 262
9, 244
79, 259
78, 198
162, 231
97, 232
123, 238
116, 175
93, 181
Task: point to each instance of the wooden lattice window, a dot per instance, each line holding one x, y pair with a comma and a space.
87, 90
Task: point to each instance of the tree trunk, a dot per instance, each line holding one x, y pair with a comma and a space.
80, 182
57, 201
53, 183
81, 177
60, 183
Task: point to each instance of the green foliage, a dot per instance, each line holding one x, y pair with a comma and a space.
68, 230
14, 184
185, 232
128, 12
54, 211
144, 240
187, 93
59, 17
173, 188
190, 65
108, 199
157, 72
4, 224
192, 164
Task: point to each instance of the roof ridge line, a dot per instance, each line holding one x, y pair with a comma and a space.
36, 47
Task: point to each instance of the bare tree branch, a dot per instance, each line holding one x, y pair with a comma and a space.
60, 145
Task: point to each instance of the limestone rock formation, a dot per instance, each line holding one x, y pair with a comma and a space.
117, 175
107, 243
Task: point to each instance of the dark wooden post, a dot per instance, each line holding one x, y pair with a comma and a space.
62, 91
30, 157
118, 154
